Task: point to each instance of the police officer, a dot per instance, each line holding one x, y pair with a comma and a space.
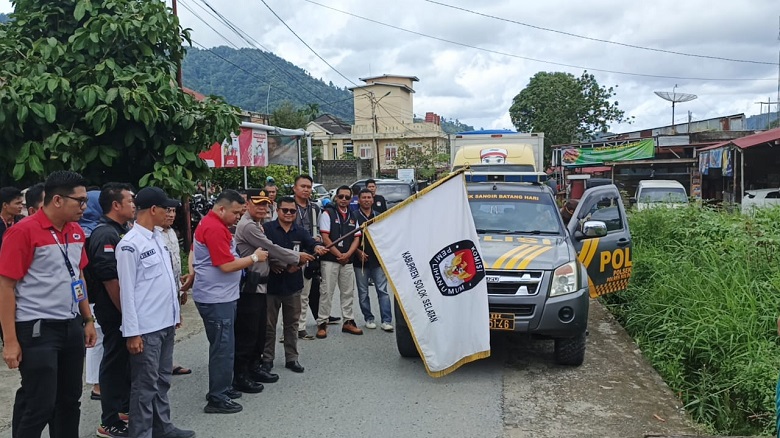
150, 312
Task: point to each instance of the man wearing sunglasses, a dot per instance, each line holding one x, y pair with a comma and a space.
337, 223
252, 310
286, 282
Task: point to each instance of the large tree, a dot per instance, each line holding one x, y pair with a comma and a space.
566, 108
89, 85
427, 161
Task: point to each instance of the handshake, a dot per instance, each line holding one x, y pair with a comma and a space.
305, 257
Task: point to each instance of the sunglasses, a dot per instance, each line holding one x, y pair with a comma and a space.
343, 196
288, 210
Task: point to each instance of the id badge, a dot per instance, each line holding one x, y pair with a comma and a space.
79, 292
341, 244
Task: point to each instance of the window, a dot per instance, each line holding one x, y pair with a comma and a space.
606, 210
349, 149
391, 151
366, 151
335, 150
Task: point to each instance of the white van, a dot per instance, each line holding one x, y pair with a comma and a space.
655, 193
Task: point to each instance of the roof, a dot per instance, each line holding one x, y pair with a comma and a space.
333, 124
660, 183
749, 141
198, 96
413, 78
387, 84
487, 131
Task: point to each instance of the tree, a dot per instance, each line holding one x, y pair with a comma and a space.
89, 85
426, 160
567, 109
287, 116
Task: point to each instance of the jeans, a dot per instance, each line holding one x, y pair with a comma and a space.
51, 369
380, 284
219, 320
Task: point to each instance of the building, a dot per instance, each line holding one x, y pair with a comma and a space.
331, 136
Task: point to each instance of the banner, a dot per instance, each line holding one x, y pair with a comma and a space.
247, 149
640, 150
283, 150
438, 277
704, 163
728, 164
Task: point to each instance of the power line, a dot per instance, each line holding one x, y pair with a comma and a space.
511, 55
617, 43
307, 45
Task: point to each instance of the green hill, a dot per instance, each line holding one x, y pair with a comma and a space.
3, 18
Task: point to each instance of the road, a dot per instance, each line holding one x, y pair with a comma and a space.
358, 385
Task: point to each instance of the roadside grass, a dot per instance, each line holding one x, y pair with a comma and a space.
702, 305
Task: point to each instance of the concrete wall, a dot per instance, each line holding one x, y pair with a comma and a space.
334, 173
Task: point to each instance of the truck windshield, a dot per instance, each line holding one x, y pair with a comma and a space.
662, 195
533, 216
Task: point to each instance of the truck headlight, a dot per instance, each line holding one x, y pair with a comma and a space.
564, 280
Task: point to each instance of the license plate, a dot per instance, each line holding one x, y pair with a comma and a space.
502, 321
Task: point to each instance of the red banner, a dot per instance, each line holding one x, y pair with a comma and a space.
247, 149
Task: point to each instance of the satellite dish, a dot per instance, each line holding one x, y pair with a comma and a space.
674, 97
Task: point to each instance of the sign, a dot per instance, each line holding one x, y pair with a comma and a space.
438, 278
248, 148
406, 175
640, 150
283, 149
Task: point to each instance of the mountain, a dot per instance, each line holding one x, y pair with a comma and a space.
242, 77
3, 18
454, 126
760, 122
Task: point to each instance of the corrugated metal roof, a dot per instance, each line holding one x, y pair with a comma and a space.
749, 141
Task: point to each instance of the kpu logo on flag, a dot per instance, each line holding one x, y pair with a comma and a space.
457, 268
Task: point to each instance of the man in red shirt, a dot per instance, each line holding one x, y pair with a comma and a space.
44, 311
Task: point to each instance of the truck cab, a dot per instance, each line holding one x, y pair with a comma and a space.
541, 272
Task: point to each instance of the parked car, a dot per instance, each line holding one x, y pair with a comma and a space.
394, 190
760, 198
318, 193
656, 193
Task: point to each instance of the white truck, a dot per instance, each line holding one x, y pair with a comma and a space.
487, 149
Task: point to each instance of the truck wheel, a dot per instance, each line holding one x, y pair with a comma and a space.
570, 351
403, 336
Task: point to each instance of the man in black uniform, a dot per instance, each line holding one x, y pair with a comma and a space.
12, 203
380, 204
116, 201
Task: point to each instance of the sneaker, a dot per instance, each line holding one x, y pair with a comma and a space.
117, 430
303, 334
386, 326
371, 324
334, 320
350, 327
223, 407
322, 331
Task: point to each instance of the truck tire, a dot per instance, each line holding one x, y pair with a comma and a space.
403, 336
570, 351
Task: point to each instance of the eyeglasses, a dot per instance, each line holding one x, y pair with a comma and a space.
82, 201
343, 196
288, 210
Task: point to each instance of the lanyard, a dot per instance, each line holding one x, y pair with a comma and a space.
366, 217
64, 251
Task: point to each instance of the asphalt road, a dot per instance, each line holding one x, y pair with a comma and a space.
360, 386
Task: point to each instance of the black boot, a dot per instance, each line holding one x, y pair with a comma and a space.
244, 383
262, 373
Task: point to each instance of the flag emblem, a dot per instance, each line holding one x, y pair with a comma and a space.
457, 268
108, 248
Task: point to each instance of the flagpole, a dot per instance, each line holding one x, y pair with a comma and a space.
402, 203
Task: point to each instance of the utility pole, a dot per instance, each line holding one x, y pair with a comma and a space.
375, 127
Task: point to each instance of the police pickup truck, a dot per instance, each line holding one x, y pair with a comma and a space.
541, 272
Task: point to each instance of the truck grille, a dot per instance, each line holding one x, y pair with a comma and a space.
517, 309
514, 283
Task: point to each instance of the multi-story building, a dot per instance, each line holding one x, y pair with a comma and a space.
384, 121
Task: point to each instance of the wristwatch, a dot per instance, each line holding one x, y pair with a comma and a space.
90, 318
254, 258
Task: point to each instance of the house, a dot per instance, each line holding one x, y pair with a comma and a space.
332, 136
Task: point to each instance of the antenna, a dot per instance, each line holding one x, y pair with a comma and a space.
675, 97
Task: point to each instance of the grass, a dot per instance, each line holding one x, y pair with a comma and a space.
702, 305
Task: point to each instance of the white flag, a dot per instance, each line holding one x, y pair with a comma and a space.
430, 252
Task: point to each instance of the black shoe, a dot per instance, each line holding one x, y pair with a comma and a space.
223, 407
263, 375
232, 394
179, 433
334, 320
294, 366
244, 384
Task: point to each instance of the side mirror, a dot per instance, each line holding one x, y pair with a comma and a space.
631, 200
594, 229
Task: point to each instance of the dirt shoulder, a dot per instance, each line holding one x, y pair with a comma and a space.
615, 393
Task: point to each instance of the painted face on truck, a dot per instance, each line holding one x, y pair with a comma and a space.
493, 156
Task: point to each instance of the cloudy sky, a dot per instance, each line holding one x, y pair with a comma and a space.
476, 85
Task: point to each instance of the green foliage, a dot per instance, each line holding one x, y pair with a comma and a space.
567, 109
454, 126
702, 304
233, 178
90, 86
426, 160
290, 117
207, 73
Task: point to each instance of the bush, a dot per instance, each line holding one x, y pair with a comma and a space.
702, 305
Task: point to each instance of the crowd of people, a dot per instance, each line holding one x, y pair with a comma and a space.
101, 269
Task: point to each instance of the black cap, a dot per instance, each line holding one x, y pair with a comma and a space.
148, 197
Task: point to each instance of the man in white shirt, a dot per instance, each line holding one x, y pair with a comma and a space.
150, 312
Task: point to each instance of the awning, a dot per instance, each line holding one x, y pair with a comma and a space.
750, 140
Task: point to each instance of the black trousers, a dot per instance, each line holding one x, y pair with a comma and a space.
314, 296
114, 375
251, 319
51, 370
